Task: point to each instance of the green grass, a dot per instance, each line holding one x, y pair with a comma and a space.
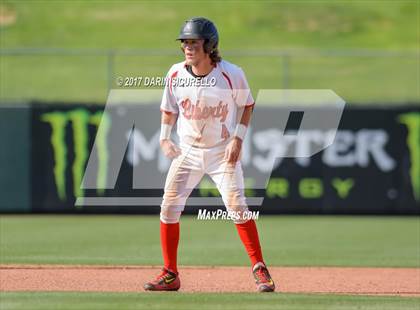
271, 24
86, 301
247, 26
286, 241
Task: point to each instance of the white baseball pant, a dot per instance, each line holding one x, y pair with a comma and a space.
188, 169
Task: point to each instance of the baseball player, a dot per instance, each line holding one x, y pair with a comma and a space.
210, 100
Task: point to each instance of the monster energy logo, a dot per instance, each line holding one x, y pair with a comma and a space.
412, 121
80, 119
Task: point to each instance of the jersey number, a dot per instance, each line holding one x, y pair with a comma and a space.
225, 133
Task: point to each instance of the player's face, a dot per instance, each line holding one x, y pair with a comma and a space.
193, 51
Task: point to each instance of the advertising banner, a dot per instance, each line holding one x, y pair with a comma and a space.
372, 167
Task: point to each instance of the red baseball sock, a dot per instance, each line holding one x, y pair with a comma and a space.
169, 238
249, 235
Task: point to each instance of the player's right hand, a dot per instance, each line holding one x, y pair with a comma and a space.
169, 148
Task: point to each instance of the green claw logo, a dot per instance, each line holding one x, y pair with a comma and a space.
412, 122
80, 119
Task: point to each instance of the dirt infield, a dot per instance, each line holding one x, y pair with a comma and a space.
371, 281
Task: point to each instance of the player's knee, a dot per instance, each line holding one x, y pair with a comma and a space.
235, 200
236, 203
173, 198
172, 206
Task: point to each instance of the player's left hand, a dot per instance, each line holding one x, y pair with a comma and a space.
233, 150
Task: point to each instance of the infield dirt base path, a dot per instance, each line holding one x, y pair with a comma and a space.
372, 281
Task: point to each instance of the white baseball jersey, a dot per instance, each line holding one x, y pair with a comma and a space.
207, 107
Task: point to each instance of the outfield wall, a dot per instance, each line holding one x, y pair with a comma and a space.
373, 166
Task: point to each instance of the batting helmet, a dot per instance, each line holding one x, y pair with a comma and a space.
200, 28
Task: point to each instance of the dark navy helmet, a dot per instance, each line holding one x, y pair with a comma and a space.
200, 28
